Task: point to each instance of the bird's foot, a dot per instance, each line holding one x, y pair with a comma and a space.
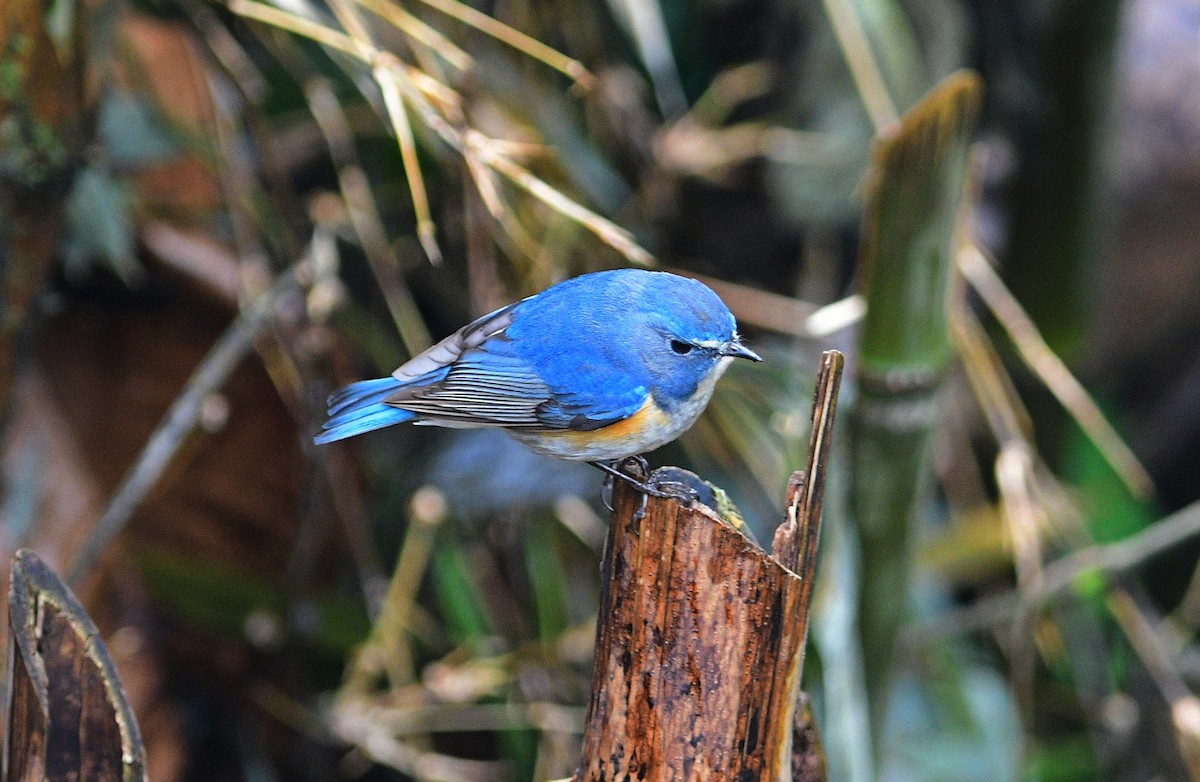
635, 471
674, 490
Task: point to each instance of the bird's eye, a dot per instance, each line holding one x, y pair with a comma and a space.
681, 348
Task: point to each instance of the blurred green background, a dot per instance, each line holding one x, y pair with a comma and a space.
212, 215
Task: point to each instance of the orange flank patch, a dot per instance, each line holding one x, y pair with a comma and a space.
643, 431
643, 425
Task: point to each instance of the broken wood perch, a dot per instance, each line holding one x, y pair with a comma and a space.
67, 717
700, 642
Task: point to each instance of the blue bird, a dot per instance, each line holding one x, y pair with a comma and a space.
597, 368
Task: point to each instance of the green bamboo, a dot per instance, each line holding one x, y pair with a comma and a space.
1057, 235
914, 199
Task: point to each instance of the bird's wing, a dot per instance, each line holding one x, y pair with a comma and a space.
475, 378
436, 359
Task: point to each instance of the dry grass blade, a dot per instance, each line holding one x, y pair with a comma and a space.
1023, 489
1014, 475
998, 400
644, 22
759, 308
228, 52
864, 68
437, 106
484, 180
517, 40
607, 231
1051, 370
387, 76
491, 153
252, 9
387, 637
388, 80
361, 727
1149, 646
350, 20
364, 216
728, 90
420, 32
835, 316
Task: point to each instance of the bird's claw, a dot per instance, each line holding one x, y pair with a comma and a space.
635, 471
673, 490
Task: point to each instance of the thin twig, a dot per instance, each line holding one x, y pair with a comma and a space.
1052, 371
180, 420
1061, 576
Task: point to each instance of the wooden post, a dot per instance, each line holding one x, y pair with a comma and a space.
701, 637
67, 717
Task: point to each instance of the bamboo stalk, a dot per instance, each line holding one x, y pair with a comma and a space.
910, 231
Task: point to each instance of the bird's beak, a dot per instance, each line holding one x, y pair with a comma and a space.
736, 349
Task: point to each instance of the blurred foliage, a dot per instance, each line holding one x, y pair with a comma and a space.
421, 604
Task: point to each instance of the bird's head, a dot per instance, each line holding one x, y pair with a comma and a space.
687, 337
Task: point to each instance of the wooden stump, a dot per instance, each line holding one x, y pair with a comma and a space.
67, 715
701, 635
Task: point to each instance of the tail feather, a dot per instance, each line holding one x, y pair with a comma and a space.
364, 392
359, 408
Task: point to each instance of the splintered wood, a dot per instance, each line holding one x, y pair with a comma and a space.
701, 637
67, 715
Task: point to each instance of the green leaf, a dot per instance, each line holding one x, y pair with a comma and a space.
1068, 760
1111, 511
59, 21
548, 578
99, 226
462, 608
132, 132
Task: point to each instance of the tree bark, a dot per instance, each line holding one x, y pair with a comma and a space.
67, 715
701, 638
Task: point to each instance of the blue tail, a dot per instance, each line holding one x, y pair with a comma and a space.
359, 408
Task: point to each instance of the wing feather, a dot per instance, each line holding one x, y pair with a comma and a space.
475, 378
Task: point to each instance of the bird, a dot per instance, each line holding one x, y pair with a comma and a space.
598, 368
